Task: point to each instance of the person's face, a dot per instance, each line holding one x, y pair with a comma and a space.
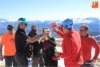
23, 25
83, 31
63, 29
35, 27
10, 31
47, 31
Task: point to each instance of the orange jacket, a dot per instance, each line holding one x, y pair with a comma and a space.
87, 44
9, 44
71, 47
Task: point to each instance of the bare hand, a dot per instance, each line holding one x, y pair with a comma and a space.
56, 53
44, 34
56, 25
43, 38
55, 29
93, 61
1, 58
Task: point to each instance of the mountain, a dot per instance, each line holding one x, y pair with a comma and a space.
93, 24
97, 37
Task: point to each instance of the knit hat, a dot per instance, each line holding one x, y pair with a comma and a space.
68, 23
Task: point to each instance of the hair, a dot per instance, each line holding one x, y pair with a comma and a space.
86, 27
48, 29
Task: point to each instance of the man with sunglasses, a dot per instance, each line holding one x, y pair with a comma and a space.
7, 41
21, 42
88, 43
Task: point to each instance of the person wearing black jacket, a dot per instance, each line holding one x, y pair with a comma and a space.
49, 44
36, 49
21, 43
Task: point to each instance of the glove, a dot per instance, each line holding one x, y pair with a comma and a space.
54, 58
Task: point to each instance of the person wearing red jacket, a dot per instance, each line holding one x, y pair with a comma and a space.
71, 44
87, 43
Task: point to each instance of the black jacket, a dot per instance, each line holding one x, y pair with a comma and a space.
20, 42
49, 52
36, 45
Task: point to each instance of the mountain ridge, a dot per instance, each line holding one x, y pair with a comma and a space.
93, 24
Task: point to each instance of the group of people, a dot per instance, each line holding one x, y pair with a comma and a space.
19, 47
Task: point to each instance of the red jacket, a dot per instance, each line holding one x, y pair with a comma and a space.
87, 44
71, 47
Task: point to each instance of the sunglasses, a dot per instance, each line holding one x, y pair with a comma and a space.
24, 24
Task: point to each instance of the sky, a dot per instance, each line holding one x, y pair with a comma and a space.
47, 9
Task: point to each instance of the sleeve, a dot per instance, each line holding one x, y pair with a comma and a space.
66, 49
97, 48
3, 39
60, 32
52, 42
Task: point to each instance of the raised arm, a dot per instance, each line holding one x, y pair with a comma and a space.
59, 31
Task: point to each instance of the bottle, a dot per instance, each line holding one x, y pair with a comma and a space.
48, 37
58, 57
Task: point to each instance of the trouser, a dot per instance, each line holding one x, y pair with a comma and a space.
21, 60
10, 61
88, 64
38, 60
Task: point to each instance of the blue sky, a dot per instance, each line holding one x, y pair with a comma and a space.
47, 9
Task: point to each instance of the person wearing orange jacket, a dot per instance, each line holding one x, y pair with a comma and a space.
88, 43
7, 41
71, 44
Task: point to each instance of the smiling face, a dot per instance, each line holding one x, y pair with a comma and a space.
83, 31
47, 30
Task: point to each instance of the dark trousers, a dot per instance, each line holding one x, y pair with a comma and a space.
10, 61
21, 60
39, 60
88, 64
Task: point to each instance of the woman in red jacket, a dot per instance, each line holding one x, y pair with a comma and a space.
88, 43
71, 44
